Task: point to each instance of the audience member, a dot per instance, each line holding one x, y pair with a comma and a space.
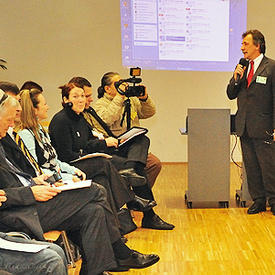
34, 110
35, 209
50, 260
80, 140
153, 164
14, 147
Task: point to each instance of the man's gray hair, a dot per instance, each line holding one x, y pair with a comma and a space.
6, 101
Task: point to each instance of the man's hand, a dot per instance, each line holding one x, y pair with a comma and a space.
111, 142
3, 197
145, 96
41, 180
239, 71
123, 86
44, 193
80, 174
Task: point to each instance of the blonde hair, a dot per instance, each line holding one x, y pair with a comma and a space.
29, 102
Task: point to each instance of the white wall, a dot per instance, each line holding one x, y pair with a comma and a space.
51, 41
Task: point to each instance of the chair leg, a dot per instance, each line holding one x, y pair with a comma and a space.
68, 250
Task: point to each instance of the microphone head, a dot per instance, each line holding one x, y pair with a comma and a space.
244, 62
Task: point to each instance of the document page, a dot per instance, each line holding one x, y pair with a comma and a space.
133, 132
69, 185
93, 155
24, 247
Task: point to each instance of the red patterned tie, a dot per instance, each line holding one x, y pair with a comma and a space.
251, 72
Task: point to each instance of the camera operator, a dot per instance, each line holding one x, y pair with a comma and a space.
111, 106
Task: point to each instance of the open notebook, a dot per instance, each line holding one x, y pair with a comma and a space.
69, 185
130, 134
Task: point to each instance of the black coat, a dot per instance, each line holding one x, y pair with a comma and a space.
71, 136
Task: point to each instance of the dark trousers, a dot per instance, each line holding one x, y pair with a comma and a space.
259, 161
93, 226
102, 171
144, 191
136, 150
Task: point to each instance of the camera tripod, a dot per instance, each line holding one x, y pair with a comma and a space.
127, 113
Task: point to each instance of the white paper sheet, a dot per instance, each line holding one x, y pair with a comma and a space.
24, 247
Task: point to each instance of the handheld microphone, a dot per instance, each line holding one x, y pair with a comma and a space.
244, 62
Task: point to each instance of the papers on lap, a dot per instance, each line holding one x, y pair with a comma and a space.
69, 185
130, 134
93, 155
25, 247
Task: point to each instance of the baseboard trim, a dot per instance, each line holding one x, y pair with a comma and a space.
172, 163
185, 162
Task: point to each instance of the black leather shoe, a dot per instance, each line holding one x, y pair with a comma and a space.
272, 209
138, 260
140, 204
256, 208
156, 223
132, 177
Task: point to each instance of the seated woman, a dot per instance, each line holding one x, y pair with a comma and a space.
80, 140
153, 164
36, 139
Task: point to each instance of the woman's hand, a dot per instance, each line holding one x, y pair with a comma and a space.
111, 142
58, 183
75, 179
80, 174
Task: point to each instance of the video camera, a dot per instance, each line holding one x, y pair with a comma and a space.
131, 90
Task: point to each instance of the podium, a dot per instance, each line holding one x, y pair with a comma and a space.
208, 156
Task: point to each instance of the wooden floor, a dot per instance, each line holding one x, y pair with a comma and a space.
208, 240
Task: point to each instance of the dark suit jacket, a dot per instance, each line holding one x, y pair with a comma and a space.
256, 103
16, 156
21, 212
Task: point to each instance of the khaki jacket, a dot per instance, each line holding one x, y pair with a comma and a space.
111, 111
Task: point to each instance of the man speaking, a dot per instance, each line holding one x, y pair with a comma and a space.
254, 87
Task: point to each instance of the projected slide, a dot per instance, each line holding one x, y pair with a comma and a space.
182, 34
